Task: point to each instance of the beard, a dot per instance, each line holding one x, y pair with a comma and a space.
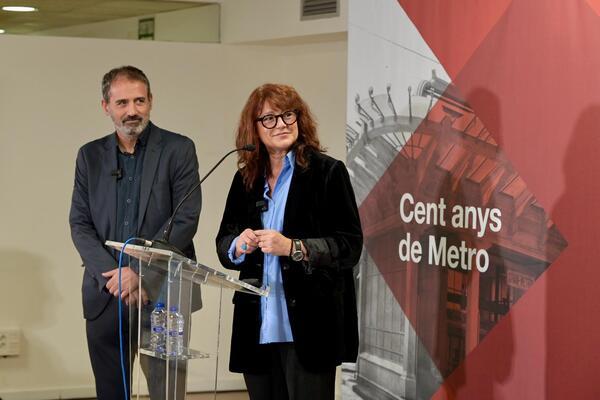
133, 126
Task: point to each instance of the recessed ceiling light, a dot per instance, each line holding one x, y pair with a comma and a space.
2, 31
19, 8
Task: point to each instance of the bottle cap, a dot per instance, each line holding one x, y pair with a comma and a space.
160, 305
173, 308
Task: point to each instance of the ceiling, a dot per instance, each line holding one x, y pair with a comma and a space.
62, 13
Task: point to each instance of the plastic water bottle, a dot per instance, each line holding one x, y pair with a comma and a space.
158, 328
175, 325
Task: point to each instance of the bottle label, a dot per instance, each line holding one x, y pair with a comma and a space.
158, 329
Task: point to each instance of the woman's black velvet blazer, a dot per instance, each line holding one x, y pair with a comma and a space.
321, 210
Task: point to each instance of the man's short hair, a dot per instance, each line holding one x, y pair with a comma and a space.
126, 71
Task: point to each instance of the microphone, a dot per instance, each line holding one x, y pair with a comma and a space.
117, 173
163, 243
262, 206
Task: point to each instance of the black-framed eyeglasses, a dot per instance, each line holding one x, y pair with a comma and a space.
269, 121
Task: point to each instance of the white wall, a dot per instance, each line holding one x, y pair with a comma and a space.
49, 106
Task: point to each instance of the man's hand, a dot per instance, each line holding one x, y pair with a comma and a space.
273, 242
129, 281
133, 297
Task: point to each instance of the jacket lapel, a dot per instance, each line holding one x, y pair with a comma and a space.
153, 150
254, 209
110, 182
294, 199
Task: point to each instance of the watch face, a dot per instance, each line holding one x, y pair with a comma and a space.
297, 255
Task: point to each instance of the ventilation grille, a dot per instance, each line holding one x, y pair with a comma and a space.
313, 9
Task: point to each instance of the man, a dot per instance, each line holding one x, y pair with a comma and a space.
127, 185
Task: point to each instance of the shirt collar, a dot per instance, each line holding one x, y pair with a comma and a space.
143, 139
290, 158
289, 162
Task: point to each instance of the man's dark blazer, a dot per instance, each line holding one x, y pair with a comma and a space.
170, 169
321, 210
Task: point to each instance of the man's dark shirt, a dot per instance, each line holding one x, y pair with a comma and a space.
128, 188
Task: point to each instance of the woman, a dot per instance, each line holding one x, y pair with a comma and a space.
290, 222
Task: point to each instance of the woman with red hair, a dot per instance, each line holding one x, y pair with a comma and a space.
291, 223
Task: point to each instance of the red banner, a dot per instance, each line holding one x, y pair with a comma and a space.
472, 145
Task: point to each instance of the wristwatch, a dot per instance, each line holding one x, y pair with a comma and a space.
296, 250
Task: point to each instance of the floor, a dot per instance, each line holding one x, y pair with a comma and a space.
210, 396
220, 396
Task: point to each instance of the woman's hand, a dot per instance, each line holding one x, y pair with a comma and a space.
273, 242
247, 242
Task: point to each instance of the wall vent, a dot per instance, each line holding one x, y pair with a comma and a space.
314, 9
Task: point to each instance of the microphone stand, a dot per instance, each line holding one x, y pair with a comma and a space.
163, 243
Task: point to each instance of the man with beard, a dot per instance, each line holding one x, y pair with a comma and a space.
127, 185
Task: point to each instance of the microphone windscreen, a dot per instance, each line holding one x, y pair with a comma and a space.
249, 147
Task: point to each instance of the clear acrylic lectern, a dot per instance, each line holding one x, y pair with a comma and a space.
173, 280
